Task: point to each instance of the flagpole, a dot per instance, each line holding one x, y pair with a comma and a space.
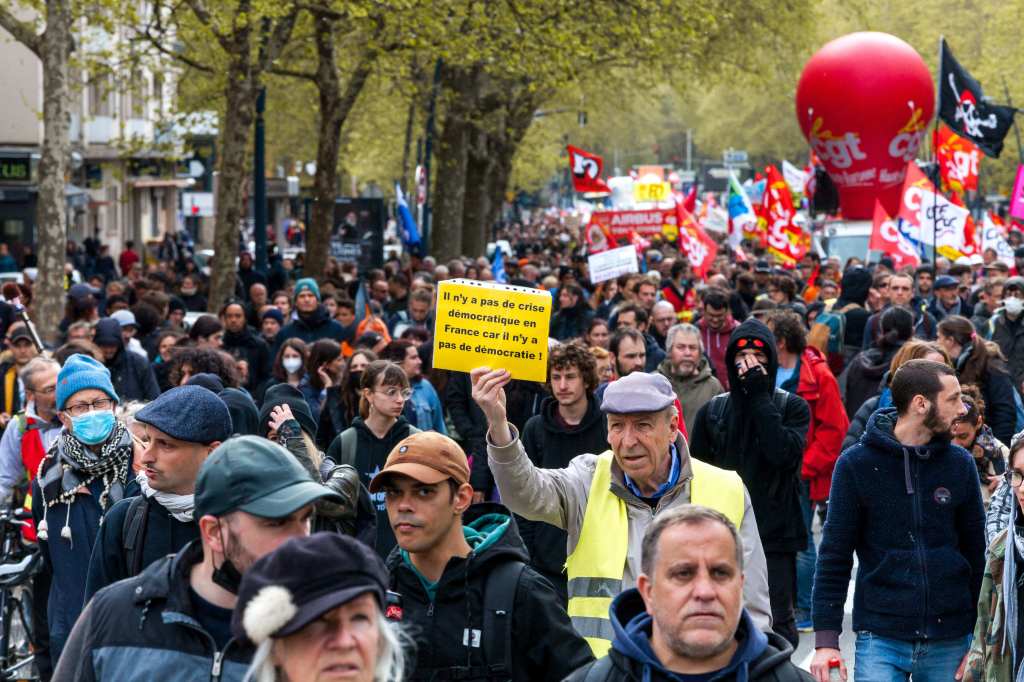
1016, 128
935, 157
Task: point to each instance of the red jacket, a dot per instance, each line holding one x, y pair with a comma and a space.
818, 386
715, 344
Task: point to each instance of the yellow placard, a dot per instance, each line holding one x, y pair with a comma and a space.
651, 191
481, 324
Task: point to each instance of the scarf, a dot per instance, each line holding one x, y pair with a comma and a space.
79, 466
1010, 588
179, 506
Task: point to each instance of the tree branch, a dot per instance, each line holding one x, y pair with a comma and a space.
22, 31
292, 73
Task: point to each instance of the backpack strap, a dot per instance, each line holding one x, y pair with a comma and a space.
600, 671
349, 439
716, 417
133, 533
499, 601
780, 398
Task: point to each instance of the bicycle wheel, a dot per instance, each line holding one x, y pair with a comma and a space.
19, 659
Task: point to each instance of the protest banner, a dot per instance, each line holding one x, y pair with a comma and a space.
930, 218
651, 191
612, 263
1017, 200
621, 223
994, 237
494, 325
887, 238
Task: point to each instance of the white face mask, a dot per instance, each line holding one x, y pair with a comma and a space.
292, 365
1014, 306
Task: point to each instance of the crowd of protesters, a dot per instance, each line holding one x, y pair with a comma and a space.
286, 488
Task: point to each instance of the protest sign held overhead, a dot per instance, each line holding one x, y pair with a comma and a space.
612, 263
496, 325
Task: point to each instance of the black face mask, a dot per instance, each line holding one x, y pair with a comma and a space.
355, 378
227, 576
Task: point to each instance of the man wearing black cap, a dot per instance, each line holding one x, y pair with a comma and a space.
947, 299
175, 617
759, 431
606, 502
479, 611
182, 427
12, 391
1008, 330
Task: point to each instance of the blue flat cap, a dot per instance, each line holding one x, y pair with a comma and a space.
946, 282
189, 413
638, 392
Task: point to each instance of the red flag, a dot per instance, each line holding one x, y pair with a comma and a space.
886, 237
958, 160
700, 249
586, 171
690, 201
785, 239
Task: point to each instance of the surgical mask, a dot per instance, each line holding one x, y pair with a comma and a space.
93, 427
188, 291
292, 365
1014, 306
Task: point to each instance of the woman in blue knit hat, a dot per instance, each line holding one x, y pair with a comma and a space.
85, 471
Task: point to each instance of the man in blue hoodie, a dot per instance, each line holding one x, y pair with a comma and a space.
685, 618
908, 502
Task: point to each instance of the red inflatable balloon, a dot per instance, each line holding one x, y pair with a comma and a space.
863, 103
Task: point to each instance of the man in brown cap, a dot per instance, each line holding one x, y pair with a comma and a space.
480, 612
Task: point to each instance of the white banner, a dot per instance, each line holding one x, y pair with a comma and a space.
992, 238
613, 263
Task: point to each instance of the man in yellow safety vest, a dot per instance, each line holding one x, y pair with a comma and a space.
605, 502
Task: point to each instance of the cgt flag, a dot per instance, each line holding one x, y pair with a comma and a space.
958, 160
586, 172
963, 107
886, 237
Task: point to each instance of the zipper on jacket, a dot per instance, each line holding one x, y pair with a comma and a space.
430, 610
918, 523
218, 655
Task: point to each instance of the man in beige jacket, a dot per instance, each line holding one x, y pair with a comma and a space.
606, 502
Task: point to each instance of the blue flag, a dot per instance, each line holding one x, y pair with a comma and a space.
410, 233
498, 266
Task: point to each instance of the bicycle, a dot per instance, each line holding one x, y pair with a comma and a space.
19, 563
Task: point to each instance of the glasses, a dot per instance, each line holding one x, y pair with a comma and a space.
404, 393
82, 408
1015, 478
45, 390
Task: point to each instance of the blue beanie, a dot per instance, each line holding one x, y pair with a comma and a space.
307, 284
190, 413
79, 373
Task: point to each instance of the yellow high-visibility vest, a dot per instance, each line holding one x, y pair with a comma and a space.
597, 564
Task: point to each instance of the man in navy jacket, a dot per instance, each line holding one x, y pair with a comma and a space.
908, 503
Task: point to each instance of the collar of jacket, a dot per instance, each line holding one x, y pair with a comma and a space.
168, 580
620, 488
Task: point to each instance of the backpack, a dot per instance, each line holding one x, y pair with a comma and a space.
716, 415
349, 441
133, 534
828, 334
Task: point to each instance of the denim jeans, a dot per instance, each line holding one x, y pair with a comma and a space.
880, 659
806, 559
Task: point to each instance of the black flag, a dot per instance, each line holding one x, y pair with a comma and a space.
963, 107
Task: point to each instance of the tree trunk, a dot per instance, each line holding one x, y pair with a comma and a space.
51, 206
233, 145
477, 203
449, 188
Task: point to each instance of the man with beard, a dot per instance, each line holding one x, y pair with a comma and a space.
663, 316
685, 618
242, 341
908, 503
689, 371
633, 316
313, 322
251, 495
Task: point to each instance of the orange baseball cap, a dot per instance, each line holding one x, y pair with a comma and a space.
428, 457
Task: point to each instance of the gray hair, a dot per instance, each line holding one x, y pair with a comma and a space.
687, 514
391, 663
35, 366
682, 328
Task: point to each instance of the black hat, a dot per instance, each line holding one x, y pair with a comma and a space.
304, 578
207, 380
286, 394
762, 266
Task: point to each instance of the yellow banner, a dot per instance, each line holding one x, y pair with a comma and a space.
495, 325
651, 191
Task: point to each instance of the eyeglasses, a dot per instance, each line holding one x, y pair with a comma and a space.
46, 390
1015, 478
82, 408
393, 392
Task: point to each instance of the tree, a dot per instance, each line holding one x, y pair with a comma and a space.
235, 43
52, 45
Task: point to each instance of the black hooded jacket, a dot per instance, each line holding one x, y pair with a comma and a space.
763, 446
130, 373
550, 443
855, 286
313, 327
570, 323
865, 375
251, 347
544, 644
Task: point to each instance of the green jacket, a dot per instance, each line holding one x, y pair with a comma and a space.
986, 661
693, 391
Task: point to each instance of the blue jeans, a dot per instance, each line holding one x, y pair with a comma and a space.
806, 559
880, 659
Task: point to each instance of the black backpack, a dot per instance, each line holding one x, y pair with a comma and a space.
133, 534
716, 415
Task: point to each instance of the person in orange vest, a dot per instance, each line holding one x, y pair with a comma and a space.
31, 432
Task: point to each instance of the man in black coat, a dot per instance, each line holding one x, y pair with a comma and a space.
459, 568
313, 322
243, 342
573, 314
182, 426
570, 423
131, 374
758, 431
